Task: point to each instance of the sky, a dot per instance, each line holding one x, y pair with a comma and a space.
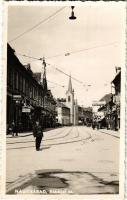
98, 31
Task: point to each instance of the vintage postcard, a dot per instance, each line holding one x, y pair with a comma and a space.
63, 114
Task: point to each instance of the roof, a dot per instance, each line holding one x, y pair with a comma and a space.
60, 104
37, 76
14, 61
117, 78
104, 107
106, 98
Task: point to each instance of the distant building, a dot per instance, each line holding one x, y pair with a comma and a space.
72, 104
116, 83
67, 108
111, 108
106, 122
85, 115
63, 114
95, 106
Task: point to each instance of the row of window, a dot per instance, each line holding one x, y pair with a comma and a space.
17, 81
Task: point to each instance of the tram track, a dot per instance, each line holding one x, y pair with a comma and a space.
58, 133
66, 138
54, 138
73, 141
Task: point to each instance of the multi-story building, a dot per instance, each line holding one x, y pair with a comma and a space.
96, 105
85, 115
107, 120
25, 95
111, 108
49, 110
116, 83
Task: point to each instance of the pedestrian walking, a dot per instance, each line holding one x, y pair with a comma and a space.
10, 129
14, 129
38, 134
93, 124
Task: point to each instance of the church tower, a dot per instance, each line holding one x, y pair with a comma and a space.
70, 100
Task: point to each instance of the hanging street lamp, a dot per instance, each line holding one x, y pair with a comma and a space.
72, 17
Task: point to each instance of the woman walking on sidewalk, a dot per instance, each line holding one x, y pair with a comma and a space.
38, 134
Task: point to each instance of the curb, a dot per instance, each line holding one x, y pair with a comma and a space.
110, 134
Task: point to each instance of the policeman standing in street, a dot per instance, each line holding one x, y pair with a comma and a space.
38, 134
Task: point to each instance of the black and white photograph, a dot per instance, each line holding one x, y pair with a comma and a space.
65, 99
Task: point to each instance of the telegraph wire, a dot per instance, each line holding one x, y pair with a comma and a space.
56, 68
56, 84
72, 52
59, 70
38, 24
40, 59
81, 50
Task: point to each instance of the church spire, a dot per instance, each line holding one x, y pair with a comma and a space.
70, 85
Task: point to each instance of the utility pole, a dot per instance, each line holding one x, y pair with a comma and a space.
44, 82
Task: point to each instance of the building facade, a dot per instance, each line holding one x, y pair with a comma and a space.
116, 83
63, 114
25, 95
111, 108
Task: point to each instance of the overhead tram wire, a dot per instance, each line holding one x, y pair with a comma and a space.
59, 70
56, 68
69, 53
36, 25
40, 59
81, 50
56, 83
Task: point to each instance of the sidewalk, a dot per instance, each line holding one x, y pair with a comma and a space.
111, 132
25, 134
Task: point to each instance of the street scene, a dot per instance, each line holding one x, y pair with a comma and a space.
64, 99
71, 160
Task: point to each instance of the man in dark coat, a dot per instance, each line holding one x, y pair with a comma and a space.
38, 134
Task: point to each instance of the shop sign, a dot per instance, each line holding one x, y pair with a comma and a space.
17, 97
26, 109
